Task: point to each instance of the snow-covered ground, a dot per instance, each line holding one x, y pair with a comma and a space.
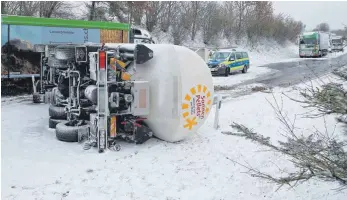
37, 166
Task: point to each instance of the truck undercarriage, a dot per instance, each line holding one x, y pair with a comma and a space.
92, 96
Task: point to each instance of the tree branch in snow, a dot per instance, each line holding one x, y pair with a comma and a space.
320, 155
330, 98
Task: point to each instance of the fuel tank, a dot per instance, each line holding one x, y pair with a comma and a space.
181, 91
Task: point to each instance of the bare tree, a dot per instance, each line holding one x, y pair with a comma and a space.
9, 7
120, 10
137, 10
168, 10
228, 11
259, 20
178, 29
194, 17
91, 11
323, 27
211, 24
57, 9
96, 11
242, 8
29, 8
152, 11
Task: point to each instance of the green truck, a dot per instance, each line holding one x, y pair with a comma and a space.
314, 44
20, 34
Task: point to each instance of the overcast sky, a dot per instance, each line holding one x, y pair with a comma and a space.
311, 13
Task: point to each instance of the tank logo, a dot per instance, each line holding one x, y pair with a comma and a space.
196, 106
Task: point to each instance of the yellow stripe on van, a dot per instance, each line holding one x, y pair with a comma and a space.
236, 68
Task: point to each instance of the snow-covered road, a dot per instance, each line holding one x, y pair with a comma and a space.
281, 71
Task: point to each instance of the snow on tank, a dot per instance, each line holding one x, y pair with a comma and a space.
181, 91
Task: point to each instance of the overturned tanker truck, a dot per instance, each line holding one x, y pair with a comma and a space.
107, 92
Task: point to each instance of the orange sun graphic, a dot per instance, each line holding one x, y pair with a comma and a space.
192, 111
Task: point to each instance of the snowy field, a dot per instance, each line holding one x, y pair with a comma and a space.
37, 166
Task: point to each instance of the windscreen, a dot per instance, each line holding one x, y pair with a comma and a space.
220, 55
309, 41
336, 41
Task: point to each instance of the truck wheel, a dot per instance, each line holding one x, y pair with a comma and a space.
227, 71
57, 112
66, 132
52, 123
245, 68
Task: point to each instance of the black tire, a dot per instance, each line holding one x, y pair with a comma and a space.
245, 68
52, 123
227, 71
36, 98
57, 112
66, 133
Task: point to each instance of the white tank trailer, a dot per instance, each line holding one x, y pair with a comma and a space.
181, 90
178, 83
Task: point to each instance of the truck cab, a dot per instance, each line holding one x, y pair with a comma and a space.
314, 44
140, 36
337, 43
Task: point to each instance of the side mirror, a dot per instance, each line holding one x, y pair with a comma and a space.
231, 59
